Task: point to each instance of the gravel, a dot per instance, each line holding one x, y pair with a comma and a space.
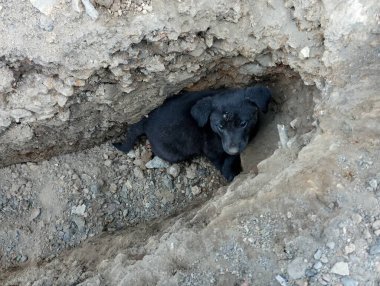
297, 268
340, 268
71, 197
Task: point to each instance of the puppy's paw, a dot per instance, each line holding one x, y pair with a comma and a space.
119, 146
229, 175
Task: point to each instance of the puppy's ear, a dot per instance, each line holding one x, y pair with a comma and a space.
201, 110
260, 96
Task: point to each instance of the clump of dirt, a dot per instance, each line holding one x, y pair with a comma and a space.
49, 206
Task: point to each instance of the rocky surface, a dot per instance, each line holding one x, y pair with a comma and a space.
78, 81
307, 209
56, 204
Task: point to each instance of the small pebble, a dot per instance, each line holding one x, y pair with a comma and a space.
173, 170
373, 184
79, 210
139, 163
35, 214
281, 280
318, 265
357, 218
138, 173
195, 190
157, 163
349, 248
367, 234
23, 258
324, 259
295, 123
131, 154
311, 273
108, 163
376, 224
330, 245
113, 188
190, 172
304, 53
347, 281
340, 268
318, 254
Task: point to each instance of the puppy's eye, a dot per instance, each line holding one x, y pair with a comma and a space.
220, 126
243, 124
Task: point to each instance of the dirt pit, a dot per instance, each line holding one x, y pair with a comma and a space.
292, 108
58, 203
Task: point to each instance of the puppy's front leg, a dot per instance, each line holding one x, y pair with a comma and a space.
231, 167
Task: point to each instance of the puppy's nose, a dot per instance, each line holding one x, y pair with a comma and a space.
233, 150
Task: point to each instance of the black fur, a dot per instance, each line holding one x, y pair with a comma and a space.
216, 123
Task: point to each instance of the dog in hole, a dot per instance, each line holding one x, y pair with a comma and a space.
215, 123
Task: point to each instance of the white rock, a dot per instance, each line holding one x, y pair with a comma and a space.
281, 280
44, 6
90, 9
340, 268
131, 154
190, 172
349, 248
304, 53
75, 4
157, 163
376, 224
195, 190
373, 184
317, 265
282, 133
173, 170
79, 210
318, 254
357, 218
295, 123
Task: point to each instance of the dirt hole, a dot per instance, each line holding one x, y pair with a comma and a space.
58, 203
292, 106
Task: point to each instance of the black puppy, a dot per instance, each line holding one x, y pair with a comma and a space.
216, 123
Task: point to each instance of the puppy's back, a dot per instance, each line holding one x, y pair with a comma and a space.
172, 131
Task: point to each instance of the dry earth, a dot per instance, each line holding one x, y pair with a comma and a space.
306, 210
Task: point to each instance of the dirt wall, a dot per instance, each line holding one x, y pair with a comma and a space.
307, 213
69, 81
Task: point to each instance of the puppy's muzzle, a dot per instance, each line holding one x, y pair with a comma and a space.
232, 150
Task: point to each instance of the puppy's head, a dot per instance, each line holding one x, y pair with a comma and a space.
232, 115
